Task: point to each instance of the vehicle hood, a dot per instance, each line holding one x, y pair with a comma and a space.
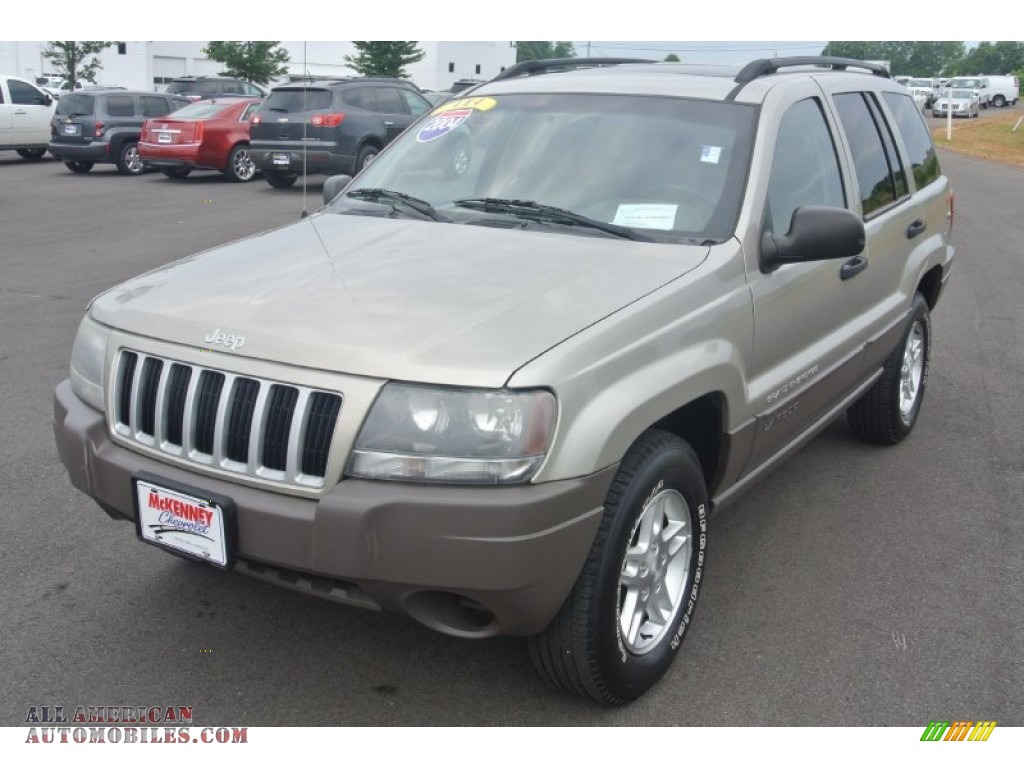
394, 298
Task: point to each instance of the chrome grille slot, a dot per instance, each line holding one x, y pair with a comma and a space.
266, 430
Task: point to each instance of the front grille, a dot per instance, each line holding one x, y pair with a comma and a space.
260, 428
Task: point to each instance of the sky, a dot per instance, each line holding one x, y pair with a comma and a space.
623, 27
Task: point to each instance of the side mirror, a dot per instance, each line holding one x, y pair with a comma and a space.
47, 100
816, 233
334, 186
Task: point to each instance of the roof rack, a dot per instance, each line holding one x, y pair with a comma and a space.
760, 67
540, 66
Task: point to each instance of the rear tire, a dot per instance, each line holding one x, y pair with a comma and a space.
241, 167
624, 621
78, 166
32, 154
999, 101
129, 162
176, 173
887, 412
280, 180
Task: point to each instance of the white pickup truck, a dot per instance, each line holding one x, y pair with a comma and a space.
25, 114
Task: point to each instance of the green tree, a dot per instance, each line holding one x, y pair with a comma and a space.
258, 61
671, 57
384, 58
999, 58
915, 58
70, 58
529, 50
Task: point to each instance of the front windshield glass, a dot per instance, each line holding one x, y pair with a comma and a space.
969, 82
672, 169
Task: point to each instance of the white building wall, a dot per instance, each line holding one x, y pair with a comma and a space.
144, 65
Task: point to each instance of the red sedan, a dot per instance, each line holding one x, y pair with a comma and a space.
207, 135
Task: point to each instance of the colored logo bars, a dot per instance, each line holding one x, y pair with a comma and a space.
960, 730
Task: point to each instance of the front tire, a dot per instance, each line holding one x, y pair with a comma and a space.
241, 167
624, 621
279, 180
32, 154
129, 162
366, 156
78, 166
888, 411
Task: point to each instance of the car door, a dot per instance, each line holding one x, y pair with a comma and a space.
393, 110
31, 110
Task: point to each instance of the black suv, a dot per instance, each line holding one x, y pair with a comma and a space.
104, 127
196, 88
330, 126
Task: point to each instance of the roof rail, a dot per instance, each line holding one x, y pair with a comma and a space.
760, 67
540, 66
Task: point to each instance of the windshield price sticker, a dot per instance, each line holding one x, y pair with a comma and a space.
444, 123
646, 216
482, 103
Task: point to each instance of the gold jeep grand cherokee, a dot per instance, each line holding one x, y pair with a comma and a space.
504, 395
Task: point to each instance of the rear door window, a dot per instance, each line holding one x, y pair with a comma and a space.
121, 106
879, 174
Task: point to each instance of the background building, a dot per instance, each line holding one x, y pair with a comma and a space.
149, 65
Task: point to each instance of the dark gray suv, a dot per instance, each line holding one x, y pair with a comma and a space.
104, 126
330, 126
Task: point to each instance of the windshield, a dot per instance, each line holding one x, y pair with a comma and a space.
180, 86
673, 169
970, 82
75, 104
921, 83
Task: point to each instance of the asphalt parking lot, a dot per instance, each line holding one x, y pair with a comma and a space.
854, 586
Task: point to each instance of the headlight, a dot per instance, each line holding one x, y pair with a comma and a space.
427, 434
87, 357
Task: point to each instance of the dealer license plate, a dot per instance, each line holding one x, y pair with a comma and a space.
188, 523
70, 130
163, 138
280, 158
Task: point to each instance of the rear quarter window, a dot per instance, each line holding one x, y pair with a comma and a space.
154, 106
924, 162
121, 106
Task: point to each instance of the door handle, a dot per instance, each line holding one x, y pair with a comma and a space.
389, 123
853, 267
20, 112
916, 228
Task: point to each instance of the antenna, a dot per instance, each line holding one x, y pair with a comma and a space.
305, 144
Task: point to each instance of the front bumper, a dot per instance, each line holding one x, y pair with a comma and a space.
467, 561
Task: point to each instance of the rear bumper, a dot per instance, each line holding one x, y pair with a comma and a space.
287, 159
174, 156
467, 561
93, 152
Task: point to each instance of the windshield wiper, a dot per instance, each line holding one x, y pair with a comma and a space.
541, 212
379, 195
